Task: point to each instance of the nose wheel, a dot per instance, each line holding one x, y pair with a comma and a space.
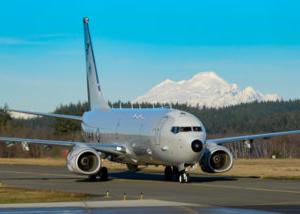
181, 176
184, 178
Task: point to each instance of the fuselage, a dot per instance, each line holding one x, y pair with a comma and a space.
150, 136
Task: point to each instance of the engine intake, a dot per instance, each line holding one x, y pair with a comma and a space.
82, 160
216, 159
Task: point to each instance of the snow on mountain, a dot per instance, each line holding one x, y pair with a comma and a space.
203, 89
18, 115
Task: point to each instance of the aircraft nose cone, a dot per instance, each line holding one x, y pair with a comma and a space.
197, 146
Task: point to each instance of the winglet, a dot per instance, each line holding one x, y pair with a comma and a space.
95, 95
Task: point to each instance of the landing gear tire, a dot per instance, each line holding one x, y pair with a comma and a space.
168, 173
184, 178
103, 174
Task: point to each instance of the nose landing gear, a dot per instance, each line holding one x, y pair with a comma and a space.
182, 176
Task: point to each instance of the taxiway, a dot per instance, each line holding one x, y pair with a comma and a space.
214, 191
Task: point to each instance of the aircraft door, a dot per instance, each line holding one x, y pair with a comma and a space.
158, 130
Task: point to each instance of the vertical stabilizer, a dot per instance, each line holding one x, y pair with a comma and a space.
95, 96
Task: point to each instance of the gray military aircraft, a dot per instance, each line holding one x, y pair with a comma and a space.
147, 136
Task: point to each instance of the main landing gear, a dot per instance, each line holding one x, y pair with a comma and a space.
102, 174
182, 176
168, 173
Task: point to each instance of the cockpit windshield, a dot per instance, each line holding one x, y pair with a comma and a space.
177, 129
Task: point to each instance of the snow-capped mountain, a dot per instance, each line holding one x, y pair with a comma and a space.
203, 89
18, 115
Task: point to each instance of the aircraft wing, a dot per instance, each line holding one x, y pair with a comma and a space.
251, 137
105, 148
62, 116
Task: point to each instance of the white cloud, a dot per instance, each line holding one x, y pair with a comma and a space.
13, 41
31, 40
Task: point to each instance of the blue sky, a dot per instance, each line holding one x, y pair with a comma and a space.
140, 43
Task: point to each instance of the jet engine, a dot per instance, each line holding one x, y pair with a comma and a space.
84, 160
216, 159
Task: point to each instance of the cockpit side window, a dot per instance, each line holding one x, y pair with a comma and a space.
175, 129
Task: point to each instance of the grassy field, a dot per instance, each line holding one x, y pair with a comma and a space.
34, 161
267, 168
19, 195
263, 168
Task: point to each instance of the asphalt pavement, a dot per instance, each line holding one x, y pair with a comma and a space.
205, 194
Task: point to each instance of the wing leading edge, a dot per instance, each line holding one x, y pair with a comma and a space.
62, 116
105, 148
251, 137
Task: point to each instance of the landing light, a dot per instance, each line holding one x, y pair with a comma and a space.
119, 148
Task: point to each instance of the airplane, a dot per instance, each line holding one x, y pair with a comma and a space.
145, 136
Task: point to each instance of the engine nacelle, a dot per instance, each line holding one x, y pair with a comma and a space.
84, 160
216, 159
